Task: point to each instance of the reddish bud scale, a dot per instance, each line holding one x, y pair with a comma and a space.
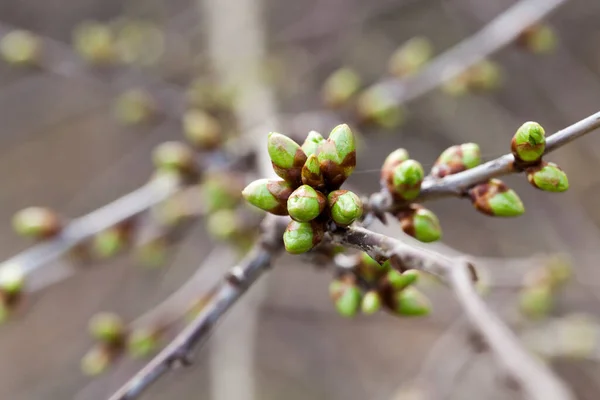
294, 173
281, 194
494, 198
394, 159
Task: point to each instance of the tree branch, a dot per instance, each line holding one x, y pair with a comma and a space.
535, 379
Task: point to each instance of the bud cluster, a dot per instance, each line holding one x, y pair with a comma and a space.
309, 191
371, 285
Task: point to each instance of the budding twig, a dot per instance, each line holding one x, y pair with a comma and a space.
535, 379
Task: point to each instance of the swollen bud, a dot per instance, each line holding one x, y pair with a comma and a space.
346, 295
340, 86
485, 76
96, 361
110, 241
529, 142
410, 57
174, 156
548, 177
12, 279
95, 43
406, 180
337, 156
134, 107
371, 302
400, 280
268, 195
394, 159
312, 143
370, 270
223, 224
20, 47
201, 129
142, 342
107, 328
377, 106
345, 207
300, 237
456, 159
420, 223
536, 301
305, 204
538, 39
409, 302
494, 198
286, 156
311, 173
36, 223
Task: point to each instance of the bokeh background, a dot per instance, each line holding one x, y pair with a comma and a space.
61, 147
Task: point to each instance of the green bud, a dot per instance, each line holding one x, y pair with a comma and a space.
371, 302
340, 86
20, 47
494, 198
134, 107
539, 39
300, 237
305, 204
345, 207
220, 191
96, 361
337, 156
377, 106
394, 159
399, 281
202, 130
485, 76
410, 57
346, 296
560, 270
548, 177
36, 223
406, 180
457, 159
174, 156
312, 143
142, 342
223, 224
536, 301
409, 302
286, 156
369, 269
311, 173
107, 328
95, 42
268, 195
457, 86
12, 279
110, 241
529, 142
211, 96
420, 223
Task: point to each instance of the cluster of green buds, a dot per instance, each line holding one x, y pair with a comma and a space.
485, 76
340, 87
135, 107
310, 190
370, 286
536, 298
410, 57
113, 338
539, 39
21, 48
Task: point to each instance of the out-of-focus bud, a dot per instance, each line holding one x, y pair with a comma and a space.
135, 107
221, 191
269, 195
142, 342
346, 295
223, 224
97, 360
174, 156
377, 106
399, 281
312, 143
340, 87
311, 173
539, 39
210, 96
406, 180
420, 223
12, 279
300, 237
305, 204
494, 198
529, 142
410, 57
409, 302
456, 159
287, 157
371, 302
36, 223
202, 130
394, 159
548, 177
345, 207
111, 241
337, 156
536, 301
485, 76
152, 252
95, 43
368, 269
20, 47
107, 328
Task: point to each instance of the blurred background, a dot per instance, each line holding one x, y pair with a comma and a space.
62, 147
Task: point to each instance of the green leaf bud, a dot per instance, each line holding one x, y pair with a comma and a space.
371, 302
107, 328
12, 279
376, 105
287, 157
340, 87
110, 241
406, 180
420, 223
536, 301
135, 107
36, 223
494, 198
529, 142
97, 360
398, 281
269, 195
409, 302
410, 57
305, 204
368, 269
312, 143
345, 207
20, 47
548, 177
457, 159
394, 159
202, 130
95, 43
337, 156
311, 173
300, 237
346, 296
142, 342
539, 39
174, 156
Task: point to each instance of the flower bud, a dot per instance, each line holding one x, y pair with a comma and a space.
300, 237
311, 173
107, 328
312, 143
345, 207
286, 156
268, 195
370, 270
142, 342
456, 159
346, 295
406, 180
36, 223
174, 156
134, 107
95, 43
110, 241
20, 47
409, 302
12, 279
371, 302
536, 301
420, 223
548, 177
539, 39
410, 57
97, 360
529, 142
394, 159
340, 86
377, 106
337, 156
305, 204
202, 130
494, 198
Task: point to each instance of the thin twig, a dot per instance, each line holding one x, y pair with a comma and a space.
224, 295
536, 380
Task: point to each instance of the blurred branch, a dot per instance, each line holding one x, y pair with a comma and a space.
535, 379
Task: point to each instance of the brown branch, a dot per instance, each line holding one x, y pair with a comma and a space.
535, 379
223, 296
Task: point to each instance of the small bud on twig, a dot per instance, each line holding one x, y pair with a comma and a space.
394, 159
174, 156
135, 107
36, 223
371, 302
536, 301
406, 180
408, 302
340, 86
107, 328
95, 42
456, 159
345, 207
269, 195
142, 342
305, 204
494, 198
548, 177
420, 223
97, 360
410, 57
20, 47
202, 130
300, 237
286, 156
538, 39
377, 106
337, 156
346, 295
529, 142
12, 280
370, 270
